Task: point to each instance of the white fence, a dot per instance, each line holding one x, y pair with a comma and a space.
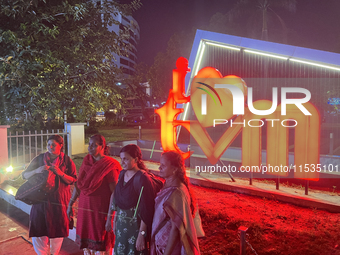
24, 146
20, 148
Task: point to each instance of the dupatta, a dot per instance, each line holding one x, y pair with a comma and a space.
174, 202
92, 173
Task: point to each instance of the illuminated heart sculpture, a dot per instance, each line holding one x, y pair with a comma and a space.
210, 102
219, 101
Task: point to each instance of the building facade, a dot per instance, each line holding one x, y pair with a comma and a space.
127, 63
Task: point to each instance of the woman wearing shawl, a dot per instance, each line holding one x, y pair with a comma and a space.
97, 179
49, 223
173, 229
134, 202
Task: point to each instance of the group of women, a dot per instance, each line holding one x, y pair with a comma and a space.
146, 220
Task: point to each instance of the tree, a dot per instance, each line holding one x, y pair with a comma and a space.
160, 73
262, 11
179, 45
135, 86
220, 23
56, 56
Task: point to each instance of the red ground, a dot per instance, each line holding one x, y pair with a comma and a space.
274, 227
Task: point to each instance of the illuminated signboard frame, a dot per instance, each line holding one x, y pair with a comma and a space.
307, 136
284, 52
250, 46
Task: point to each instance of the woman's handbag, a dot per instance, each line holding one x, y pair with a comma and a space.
36, 189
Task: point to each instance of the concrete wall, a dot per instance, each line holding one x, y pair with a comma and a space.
4, 145
76, 138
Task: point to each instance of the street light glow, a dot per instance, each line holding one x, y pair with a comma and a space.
9, 169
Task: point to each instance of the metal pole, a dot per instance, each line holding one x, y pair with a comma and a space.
29, 145
65, 119
23, 147
277, 183
17, 140
69, 143
331, 144
42, 141
306, 187
36, 143
251, 178
230, 175
140, 133
10, 147
242, 231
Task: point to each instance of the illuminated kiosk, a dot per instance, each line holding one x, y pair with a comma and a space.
264, 65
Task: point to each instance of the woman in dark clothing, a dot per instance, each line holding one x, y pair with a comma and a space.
49, 223
134, 202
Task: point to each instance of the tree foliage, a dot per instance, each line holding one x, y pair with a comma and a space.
179, 45
160, 73
220, 23
260, 14
56, 55
135, 87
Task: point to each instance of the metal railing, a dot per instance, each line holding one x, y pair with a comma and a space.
22, 148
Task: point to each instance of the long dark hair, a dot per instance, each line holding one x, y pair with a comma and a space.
134, 151
58, 139
101, 141
176, 160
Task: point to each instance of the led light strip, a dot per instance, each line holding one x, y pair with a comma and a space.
200, 52
293, 59
202, 48
314, 64
223, 46
266, 54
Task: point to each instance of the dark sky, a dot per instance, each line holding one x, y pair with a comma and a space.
160, 19
315, 22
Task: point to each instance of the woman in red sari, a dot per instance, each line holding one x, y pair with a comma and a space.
48, 220
95, 186
173, 229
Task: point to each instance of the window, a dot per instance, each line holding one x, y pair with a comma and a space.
133, 42
124, 61
132, 57
124, 18
128, 71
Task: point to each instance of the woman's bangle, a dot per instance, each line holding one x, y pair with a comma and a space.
112, 207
